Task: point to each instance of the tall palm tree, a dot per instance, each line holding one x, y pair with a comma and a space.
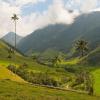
15, 18
81, 46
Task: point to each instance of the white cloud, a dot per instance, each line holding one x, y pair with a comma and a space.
56, 13
83, 5
97, 9
87, 5
6, 12
7, 9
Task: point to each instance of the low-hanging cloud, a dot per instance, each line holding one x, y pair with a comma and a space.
88, 5
56, 13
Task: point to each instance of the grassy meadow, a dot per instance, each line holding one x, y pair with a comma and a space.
17, 91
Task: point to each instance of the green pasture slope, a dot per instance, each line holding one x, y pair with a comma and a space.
12, 87
32, 65
10, 90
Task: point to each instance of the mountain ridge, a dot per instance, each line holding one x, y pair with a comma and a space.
10, 38
62, 37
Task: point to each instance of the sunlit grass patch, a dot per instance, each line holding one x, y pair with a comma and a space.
72, 61
6, 74
96, 74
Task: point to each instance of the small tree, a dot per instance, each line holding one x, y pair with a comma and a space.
89, 83
12, 68
55, 60
81, 46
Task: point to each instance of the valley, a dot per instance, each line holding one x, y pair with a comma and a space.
62, 74
49, 54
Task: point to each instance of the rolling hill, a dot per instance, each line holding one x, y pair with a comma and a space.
4, 53
62, 37
6, 74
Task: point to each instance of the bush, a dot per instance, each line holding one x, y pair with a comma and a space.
12, 68
35, 78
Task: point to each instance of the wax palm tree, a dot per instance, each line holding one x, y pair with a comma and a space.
15, 18
81, 46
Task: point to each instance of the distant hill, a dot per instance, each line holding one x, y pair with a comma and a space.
42, 39
10, 38
62, 37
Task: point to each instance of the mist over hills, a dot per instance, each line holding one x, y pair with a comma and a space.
62, 37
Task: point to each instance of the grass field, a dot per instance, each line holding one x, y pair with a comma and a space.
8, 75
72, 61
16, 91
96, 75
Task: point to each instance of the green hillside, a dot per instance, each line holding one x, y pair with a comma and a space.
8, 75
96, 74
16, 58
56, 74
14, 91
60, 75
93, 58
5, 61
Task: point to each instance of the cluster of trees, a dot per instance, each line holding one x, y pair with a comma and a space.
51, 62
35, 78
86, 80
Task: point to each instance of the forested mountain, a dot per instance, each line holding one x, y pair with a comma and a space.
62, 37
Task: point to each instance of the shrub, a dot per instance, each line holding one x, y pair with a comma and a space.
12, 68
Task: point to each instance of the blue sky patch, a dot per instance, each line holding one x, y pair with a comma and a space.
39, 7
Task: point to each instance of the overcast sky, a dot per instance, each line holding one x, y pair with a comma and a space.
35, 14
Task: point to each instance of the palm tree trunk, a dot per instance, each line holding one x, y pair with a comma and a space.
15, 45
15, 34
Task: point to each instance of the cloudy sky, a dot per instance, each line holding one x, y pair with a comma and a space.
35, 14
